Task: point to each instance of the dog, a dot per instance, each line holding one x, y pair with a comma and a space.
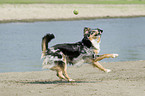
86, 51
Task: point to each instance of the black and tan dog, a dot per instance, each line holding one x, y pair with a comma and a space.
86, 51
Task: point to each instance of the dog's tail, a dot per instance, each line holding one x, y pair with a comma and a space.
45, 40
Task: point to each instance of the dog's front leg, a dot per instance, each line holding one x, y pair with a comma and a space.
99, 66
100, 57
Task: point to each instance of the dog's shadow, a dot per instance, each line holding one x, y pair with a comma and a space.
59, 82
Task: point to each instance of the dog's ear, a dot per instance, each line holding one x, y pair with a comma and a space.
100, 30
86, 30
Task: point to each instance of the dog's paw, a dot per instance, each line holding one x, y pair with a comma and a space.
71, 80
108, 70
114, 55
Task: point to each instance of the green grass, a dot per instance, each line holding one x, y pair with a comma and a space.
72, 1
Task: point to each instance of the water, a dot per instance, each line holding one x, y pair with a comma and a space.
20, 43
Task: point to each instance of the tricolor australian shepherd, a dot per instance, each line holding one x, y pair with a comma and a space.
86, 51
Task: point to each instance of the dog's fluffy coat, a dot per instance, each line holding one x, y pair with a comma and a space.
86, 51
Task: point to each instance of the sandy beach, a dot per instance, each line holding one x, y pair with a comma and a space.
126, 79
43, 12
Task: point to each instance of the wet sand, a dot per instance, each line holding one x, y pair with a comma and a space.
126, 79
49, 12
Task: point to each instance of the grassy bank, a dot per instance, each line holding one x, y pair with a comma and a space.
72, 1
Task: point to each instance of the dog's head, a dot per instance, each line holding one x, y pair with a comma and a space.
92, 33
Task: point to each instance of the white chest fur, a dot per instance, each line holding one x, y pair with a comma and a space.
96, 44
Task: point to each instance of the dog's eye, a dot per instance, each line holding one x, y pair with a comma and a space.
96, 34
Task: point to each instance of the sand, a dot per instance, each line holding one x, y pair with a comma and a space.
126, 79
40, 12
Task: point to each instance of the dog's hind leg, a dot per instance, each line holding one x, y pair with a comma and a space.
58, 69
61, 69
60, 75
64, 69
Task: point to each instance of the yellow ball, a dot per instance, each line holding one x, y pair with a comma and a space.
76, 12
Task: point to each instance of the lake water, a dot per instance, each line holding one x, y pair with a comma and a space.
20, 43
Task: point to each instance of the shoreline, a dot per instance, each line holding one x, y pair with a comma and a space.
73, 66
70, 66
126, 79
67, 19
61, 12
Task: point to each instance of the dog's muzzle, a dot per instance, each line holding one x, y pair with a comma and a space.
98, 34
